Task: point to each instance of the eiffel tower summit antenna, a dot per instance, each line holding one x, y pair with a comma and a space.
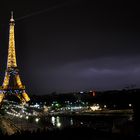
12, 84
12, 15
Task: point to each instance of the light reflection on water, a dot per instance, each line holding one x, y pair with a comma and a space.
55, 120
61, 121
71, 121
58, 123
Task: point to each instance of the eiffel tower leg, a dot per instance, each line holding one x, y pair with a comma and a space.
25, 96
1, 97
21, 98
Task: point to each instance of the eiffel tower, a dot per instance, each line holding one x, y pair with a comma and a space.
12, 84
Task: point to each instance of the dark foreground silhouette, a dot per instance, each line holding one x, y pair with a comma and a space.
69, 133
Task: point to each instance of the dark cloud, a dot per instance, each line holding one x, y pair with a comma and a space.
100, 74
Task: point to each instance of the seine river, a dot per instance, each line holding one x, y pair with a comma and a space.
109, 123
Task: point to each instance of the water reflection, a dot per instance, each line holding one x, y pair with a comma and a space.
104, 123
58, 123
71, 121
130, 118
55, 120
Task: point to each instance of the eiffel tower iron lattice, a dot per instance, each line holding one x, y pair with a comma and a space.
12, 83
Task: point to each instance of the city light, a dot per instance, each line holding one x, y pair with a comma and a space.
95, 107
27, 117
36, 119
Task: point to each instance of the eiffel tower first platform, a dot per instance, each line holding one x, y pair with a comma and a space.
12, 84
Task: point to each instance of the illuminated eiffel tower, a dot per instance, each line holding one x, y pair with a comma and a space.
12, 83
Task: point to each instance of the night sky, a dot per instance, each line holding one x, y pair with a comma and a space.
73, 45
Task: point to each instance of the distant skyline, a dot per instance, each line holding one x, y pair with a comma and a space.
73, 45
